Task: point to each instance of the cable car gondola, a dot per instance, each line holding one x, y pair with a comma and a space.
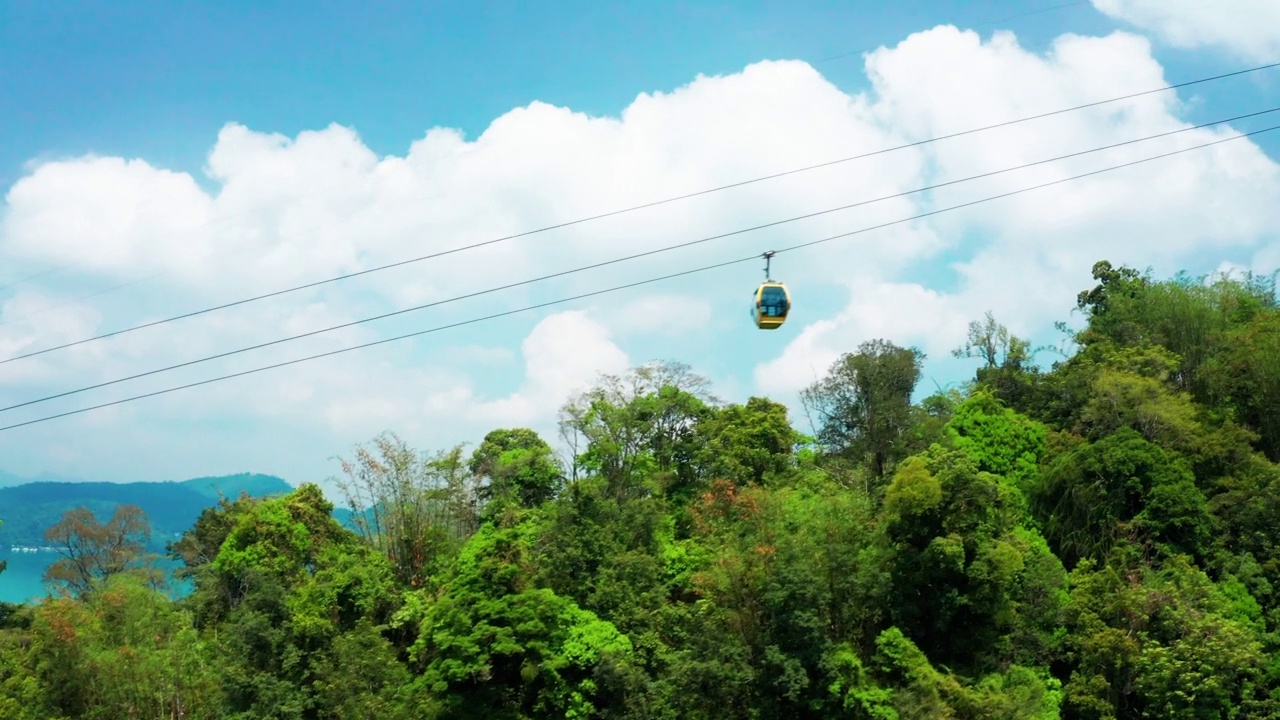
771, 302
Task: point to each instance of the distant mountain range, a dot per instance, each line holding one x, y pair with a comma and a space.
8, 479
30, 508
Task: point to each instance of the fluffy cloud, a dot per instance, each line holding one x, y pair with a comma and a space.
283, 211
901, 312
662, 314
1025, 257
562, 355
1246, 28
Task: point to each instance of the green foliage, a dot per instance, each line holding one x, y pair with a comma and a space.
416, 508
1163, 642
126, 651
1246, 375
703, 561
362, 677
855, 688
1122, 487
520, 469
968, 581
925, 692
1248, 512
637, 429
746, 444
999, 440
1006, 371
280, 537
785, 575
1105, 304
864, 403
489, 647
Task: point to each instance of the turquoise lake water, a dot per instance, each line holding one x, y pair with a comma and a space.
22, 580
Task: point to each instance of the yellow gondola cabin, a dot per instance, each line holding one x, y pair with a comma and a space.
771, 302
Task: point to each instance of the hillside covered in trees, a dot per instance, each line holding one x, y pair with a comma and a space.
1094, 540
28, 510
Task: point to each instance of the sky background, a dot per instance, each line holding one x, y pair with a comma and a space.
159, 158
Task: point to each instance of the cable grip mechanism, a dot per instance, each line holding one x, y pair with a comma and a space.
767, 257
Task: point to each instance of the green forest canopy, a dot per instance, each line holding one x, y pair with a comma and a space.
1097, 539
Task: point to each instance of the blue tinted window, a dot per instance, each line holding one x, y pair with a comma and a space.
773, 302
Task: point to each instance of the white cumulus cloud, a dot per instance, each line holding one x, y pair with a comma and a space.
1245, 28
273, 211
1025, 257
563, 355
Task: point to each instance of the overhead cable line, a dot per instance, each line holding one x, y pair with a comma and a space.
5, 182
622, 259
616, 288
316, 193
627, 210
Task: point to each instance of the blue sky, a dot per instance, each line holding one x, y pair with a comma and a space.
156, 83
155, 79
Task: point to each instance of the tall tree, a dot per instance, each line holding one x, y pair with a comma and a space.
92, 551
199, 545
864, 403
1247, 376
746, 443
489, 646
1105, 303
515, 466
988, 341
1006, 370
969, 582
415, 508
637, 429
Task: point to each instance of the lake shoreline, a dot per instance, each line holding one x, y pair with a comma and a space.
23, 580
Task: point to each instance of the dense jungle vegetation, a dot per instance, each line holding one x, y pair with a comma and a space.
1093, 540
